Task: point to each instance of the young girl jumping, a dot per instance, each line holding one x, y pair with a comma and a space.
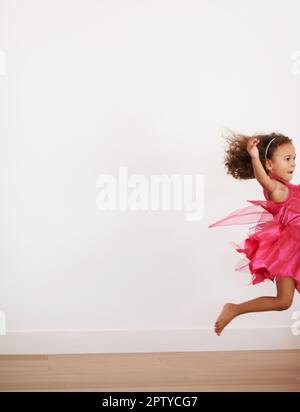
272, 250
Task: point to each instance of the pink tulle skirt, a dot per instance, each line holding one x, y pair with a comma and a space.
272, 249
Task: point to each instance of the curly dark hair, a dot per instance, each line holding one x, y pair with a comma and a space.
237, 160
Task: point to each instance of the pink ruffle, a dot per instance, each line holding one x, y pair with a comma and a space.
272, 249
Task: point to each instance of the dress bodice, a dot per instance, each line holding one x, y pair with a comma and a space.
267, 210
286, 210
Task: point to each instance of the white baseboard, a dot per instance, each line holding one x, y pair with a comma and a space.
132, 341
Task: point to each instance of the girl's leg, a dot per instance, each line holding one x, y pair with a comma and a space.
284, 299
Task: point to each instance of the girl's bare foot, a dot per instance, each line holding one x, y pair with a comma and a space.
227, 314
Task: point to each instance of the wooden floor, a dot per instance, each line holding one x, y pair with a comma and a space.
272, 370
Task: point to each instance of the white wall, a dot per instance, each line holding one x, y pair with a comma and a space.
94, 85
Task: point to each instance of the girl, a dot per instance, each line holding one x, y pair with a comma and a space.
272, 249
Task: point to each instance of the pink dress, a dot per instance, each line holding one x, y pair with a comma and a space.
272, 248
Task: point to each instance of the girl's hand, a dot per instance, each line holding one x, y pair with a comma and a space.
251, 147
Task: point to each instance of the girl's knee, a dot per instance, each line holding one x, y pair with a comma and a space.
285, 292
284, 303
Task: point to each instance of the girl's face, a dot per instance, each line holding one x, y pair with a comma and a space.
283, 161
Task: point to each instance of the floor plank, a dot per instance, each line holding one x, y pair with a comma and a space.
265, 370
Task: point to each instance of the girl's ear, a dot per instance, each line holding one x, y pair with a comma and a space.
268, 164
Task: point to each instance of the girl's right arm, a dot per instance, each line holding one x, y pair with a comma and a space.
259, 172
